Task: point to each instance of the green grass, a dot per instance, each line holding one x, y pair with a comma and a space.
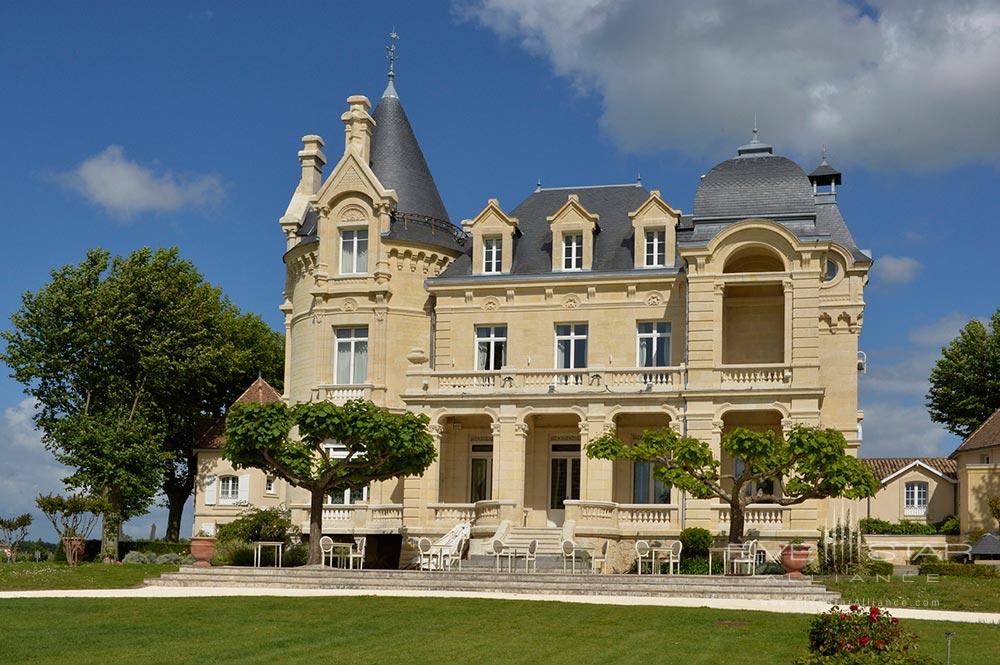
27, 576
920, 592
380, 630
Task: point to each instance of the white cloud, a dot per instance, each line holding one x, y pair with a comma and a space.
939, 333
900, 430
899, 372
125, 188
915, 86
897, 269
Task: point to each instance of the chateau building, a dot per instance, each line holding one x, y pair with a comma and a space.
529, 330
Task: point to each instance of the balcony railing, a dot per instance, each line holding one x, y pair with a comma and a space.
762, 517
540, 381
340, 393
643, 517
771, 375
337, 517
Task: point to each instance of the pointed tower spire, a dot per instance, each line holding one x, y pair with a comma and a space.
391, 53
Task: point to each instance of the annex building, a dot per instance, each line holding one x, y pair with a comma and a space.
527, 330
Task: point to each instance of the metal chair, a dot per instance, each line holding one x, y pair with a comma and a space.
501, 550
644, 554
743, 555
530, 558
326, 549
672, 557
569, 550
358, 553
426, 550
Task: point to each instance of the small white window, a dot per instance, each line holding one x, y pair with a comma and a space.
269, 485
573, 251
351, 361
354, 251
229, 490
348, 497
915, 499
491, 347
653, 344
492, 255
656, 254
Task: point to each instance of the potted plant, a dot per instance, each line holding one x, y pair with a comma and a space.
203, 549
795, 557
73, 518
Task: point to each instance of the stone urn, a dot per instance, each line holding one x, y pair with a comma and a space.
794, 558
203, 549
73, 546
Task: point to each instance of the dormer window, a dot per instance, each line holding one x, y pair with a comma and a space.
492, 255
354, 251
573, 251
656, 253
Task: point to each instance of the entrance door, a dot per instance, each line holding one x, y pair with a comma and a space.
564, 479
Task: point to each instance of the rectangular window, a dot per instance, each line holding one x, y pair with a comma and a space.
915, 497
229, 489
269, 485
347, 497
492, 255
656, 255
481, 472
646, 488
354, 251
653, 348
571, 349
754, 488
573, 251
491, 347
984, 459
351, 362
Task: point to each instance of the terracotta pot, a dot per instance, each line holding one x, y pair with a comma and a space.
73, 545
202, 549
794, 558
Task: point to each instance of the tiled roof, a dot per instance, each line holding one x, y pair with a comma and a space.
988, 545
986, 435
754, 186
259, 392
883, 467
210, 433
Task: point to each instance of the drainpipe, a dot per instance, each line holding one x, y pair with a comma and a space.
432, 303
684, 403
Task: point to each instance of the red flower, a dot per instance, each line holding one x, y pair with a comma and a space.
864, 640
854, 608
875, 612
895, 620
843, 616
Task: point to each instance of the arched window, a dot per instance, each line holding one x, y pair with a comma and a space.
754, 259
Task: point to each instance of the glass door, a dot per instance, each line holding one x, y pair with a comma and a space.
564, 479
481, 472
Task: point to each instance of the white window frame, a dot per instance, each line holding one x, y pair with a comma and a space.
657, 336
573, 337
347, 499
229, 490
656, 240
572, 251
352, 339
916, 497
353, 237
269, 484
492, 255
492, 340
481, 454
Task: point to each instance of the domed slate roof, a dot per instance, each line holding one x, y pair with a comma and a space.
756, 183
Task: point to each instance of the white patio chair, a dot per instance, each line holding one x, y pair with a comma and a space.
500, 551
530, 557
600, 558
326, 549
569, 550
672, 557
426, 550
358, 552
453, 555
743, 555
644, 555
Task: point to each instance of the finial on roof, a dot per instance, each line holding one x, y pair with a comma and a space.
754, 139
390, 53
538, 185
823, 154
755, 147
638, 177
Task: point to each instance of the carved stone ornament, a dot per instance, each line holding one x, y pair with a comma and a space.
417, 357
490, 304
571, 301
654, 299
349, 305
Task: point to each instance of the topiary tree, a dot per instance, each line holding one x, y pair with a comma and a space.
71, 516
13, 531
811, 463
373, 444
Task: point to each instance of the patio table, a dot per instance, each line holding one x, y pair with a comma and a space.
342, 556
725, 558
258, 547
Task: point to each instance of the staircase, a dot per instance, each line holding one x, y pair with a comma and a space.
549, 539
541, 583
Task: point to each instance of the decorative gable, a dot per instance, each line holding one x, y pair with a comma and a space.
491, 223
655, 217
570, 221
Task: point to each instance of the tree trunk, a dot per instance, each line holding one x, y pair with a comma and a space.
177, 490
315, 526
735, 520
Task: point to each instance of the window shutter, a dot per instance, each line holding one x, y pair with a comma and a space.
244, 489
210, 490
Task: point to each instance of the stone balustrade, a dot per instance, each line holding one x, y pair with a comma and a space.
755, 376
643, 518
761, 516
340, 393
540, 381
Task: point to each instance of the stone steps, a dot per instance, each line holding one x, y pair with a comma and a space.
542, 583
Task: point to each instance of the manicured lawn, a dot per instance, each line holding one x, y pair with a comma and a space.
370, 630
24, 576
940, 593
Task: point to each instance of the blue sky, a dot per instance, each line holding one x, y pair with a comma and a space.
134, 124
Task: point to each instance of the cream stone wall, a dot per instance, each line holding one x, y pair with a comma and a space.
888, 504
978, 481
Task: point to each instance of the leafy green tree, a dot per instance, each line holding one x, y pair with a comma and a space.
965, 381
812, 463
13, 531
71, 516
123, 356
376, 445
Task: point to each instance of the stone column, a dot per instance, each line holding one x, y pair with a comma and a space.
596, 475
418, 491
509, 443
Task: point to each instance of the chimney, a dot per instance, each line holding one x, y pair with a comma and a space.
312, 159
358, 127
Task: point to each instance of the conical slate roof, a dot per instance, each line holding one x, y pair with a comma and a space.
398, 161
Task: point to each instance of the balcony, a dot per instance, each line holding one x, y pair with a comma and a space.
755, 376
761, 517
340, 393
547, 381
359, 518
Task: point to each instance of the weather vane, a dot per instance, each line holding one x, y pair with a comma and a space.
390, 53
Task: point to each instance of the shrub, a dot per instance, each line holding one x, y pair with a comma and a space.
695, 542
949, 569
877, 567
232, 553
699, 565
876, 527
975, 535
923, 555
171, 558
135, 556
260, 524
949, 526
295, 556
858, 636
